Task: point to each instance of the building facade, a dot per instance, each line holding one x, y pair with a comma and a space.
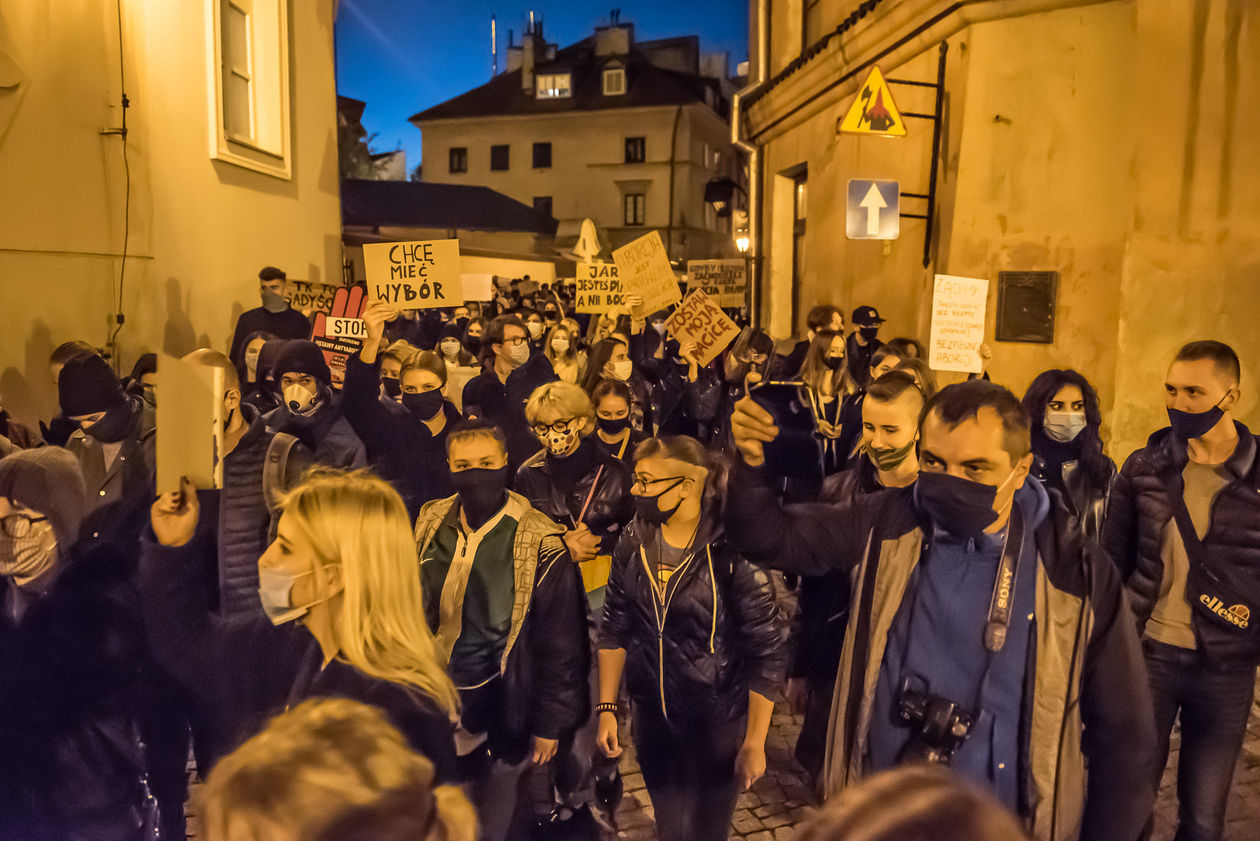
1107, 140
230, 164
626, 134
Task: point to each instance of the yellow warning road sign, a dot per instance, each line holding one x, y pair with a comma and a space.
874, 112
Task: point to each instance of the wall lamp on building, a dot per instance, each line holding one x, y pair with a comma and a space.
720, 192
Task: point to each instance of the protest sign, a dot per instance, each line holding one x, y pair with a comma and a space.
722, 280
189, 424
478, 287
598, 288
347, 328
698, 319
958, 309
348, 306
646, 271
414, 275
309, 298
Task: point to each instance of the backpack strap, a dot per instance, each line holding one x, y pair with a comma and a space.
275, 475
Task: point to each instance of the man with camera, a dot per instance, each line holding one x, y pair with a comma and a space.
985, 632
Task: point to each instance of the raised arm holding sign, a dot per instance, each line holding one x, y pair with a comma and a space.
646, 271
189, 424
414, 275
700, 322
958, 310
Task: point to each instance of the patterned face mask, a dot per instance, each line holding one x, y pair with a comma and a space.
27, 557
561, 437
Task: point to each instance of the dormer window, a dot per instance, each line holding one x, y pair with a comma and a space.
553, 86
614, 81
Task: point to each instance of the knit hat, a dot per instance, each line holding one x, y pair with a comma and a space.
88, 385
301, 357
267, 357
451, 331
47, 480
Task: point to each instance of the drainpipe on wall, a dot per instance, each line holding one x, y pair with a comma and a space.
673, 159
754, 160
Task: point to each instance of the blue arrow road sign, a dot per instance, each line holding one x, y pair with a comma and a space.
874, 209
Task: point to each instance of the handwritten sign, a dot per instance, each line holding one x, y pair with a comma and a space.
347, 328
414, 275
309, 298
698, 319
189, 424
958, 309
598, 288
646, 271
478, 287
722, 280
347, 307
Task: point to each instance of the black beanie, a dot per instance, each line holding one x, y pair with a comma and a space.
267, 357
451, 331
301, 357
88, 385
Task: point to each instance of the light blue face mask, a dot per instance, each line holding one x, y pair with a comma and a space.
275, 591
1063, 426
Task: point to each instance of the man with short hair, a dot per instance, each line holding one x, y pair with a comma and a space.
821, 317
275, 316
506, 606
986, 632
308, 410
1182, 527
863, 343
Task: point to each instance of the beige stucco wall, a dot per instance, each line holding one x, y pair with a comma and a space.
200, 229
1111, 142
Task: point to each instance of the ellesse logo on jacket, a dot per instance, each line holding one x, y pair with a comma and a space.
1238, 615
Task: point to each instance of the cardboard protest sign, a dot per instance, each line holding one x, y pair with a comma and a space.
189, 424
725, 281
347, 308
958, 310
598, 288
698, 319
646, 271
414, 275
478, 287
309, 298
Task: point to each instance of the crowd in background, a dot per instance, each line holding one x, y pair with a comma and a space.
514, 528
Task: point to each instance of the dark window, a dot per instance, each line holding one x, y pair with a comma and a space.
634, 208
542, 156
636, 148
543, 204
459, 159
499, 157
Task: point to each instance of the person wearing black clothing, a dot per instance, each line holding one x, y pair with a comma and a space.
343, 566
610, 360
142, 380
863, 343
505, 349
821, 317
695, 631
71, 761
614, 435
59, 429
1059, 725
1181, 527
248, 371
275, 316
264, 394
308, 410
1067, 445
685, 395
405, 437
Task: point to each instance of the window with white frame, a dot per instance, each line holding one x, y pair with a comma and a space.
553, 86
250, 119
614, 81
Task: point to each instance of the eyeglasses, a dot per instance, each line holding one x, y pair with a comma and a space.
558, 426
641, 483
18, 526
515, 341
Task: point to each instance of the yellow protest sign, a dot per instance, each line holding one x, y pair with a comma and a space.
598, 288
646, 271
722, 280
698, 319
414, 275
873, 111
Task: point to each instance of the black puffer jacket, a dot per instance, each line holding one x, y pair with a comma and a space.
722, 633
1141, 508
71, 765
610, 508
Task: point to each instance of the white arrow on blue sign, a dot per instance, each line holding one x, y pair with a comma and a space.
874, 209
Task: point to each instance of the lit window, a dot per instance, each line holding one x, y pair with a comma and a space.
553, 86
634, 208
249, 57
614, 81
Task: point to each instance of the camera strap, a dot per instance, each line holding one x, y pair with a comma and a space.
1003, 599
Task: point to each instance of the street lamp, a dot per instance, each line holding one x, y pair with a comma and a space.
741, 242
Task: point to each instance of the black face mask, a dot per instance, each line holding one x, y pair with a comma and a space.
869, 333
482, 492
392, 387
648, 508
959, 506
835, 363
113, 427
613, 426
1187, 425
552, 315
424, 405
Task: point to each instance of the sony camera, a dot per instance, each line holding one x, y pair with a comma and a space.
940, 726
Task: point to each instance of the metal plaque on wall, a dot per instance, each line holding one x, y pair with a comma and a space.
1026, 306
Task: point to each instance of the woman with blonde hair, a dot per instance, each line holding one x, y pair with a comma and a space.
561, 349
829, 392
324, 770
343, 565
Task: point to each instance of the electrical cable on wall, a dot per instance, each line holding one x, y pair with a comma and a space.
119, 318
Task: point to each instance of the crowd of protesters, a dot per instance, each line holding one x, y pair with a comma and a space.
511, 529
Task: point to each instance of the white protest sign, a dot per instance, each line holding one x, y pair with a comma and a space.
189, 424
646, 271
958, 309
478, 287
347, 328
698, 319
722, 280
414, 275
598, 288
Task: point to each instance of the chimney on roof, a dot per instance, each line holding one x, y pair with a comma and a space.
533, 50
615, 39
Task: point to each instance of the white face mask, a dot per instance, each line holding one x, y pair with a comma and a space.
535, 329
450, 348
1063, 426
275, 591
560, 345
518, 353
622, 369
26, 558
299, 398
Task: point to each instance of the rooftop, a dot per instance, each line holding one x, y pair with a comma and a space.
413, 204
